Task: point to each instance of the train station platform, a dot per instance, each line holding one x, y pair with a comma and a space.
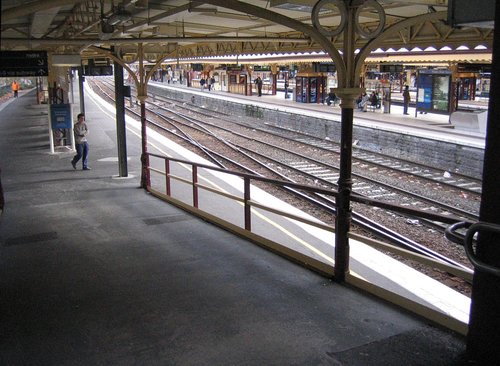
95, 271
428, 125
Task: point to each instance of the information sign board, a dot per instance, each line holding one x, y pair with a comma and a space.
60, 116
434, 91
97, 70
23, 63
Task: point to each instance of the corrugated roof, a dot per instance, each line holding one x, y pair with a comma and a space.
431, 58
437, 57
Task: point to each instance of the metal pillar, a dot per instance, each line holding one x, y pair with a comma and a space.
343, 218
142, 95
483, 340
71, 85
121, 136
80, 89
144, 157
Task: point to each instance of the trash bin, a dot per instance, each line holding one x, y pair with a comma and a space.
387, 106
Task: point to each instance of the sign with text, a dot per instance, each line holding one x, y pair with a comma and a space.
434, 91
60, 116
97, 70
23, 63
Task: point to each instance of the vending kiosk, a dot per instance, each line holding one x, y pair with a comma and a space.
310, 88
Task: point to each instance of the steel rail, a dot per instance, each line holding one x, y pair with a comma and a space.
464, 214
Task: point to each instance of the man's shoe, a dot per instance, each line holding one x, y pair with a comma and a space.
74, 164
86, 168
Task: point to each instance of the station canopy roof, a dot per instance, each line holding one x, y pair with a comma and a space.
189, 29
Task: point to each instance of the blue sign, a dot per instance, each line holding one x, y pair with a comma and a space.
60, 116
434, 91
424, 85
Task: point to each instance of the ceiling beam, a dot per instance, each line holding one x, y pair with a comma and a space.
72, 42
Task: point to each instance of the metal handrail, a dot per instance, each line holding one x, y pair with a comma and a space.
469, 249
248, 203
451, 232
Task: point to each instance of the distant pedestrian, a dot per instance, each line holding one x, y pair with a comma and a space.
209, 84
406, 100
258, 82
363, 102
80, 131
15, 88
331, 97
212, 82
202, 84
374, 100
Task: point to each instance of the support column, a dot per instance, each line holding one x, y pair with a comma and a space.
121, 137
145, 182
142, 95
343, 217
81, 79
483, 341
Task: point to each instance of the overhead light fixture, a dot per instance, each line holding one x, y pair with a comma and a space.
106, 31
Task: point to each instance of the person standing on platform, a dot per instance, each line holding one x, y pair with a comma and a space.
331, 98
258, 82
202, 84
363, 100
406, 100
15, 88
80, 131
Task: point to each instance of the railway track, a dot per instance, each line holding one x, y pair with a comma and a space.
381, 162
288, 164
374, 161
321, 170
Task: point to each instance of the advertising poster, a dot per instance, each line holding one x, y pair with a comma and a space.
433, 91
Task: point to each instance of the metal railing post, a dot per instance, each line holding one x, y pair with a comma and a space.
246, 196
195, 187
167, 177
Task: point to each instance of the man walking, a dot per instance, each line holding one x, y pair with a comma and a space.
80, 131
